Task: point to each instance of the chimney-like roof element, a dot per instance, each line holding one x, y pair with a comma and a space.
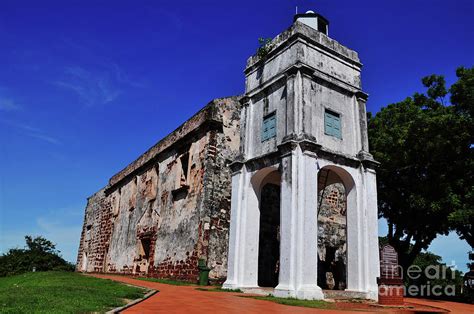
313, 20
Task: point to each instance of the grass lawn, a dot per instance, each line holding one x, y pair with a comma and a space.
295, 302
62, 292
168, 281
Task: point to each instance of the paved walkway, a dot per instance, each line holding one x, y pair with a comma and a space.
186, 299
454, 307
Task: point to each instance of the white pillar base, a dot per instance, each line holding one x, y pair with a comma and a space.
306, 292
373, 295
230, 285
284, 291
310, 292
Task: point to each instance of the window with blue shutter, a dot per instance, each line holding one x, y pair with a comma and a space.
332, 124
269, 127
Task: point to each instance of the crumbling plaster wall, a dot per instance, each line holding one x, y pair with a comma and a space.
223, 148
178, 235
176, 200
95, 234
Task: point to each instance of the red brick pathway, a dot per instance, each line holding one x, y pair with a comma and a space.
186, 299
453, 307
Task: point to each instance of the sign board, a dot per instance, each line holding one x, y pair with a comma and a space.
389, 268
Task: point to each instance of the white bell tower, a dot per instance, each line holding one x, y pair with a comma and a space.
303, 126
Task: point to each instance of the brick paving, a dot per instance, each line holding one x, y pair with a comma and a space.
186, 299
453, 307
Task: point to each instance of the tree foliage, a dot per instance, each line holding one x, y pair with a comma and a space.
425, 181
39, 254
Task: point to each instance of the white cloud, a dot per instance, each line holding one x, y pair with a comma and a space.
93, 87
8, 104
44, 137
31, 131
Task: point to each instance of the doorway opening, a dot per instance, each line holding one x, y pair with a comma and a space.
142, 261
269, 238
332, 231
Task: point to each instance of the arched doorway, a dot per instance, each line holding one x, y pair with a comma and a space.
267, 185
332, 230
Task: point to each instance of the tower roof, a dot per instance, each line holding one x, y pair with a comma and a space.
314, 20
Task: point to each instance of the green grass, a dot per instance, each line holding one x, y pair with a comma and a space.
62, 292
219, 289
168, 281
295, 302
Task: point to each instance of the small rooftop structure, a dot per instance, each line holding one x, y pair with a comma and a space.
314, 20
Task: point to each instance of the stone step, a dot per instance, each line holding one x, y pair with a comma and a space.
343, 294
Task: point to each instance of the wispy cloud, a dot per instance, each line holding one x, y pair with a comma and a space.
45, 138
123, 77
31, 131
98, 81
93, 87
8, 104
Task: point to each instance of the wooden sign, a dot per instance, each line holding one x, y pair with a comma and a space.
389, 263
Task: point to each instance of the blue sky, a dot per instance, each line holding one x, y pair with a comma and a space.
87, 86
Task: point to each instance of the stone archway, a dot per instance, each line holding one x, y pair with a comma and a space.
332, 230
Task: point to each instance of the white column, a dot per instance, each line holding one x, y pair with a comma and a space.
234, 257
354, 235
307, 253
250, 237
286, 281
373, 233
298, 229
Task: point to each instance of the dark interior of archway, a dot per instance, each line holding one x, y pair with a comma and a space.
269, 238
332, 229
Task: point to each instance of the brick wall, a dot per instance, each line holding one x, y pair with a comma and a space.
391, 294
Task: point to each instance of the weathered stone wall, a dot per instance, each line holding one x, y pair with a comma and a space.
170, 207
332, 237
96, 232
178, 229
223, 148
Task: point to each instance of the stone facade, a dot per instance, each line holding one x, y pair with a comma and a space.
171, 206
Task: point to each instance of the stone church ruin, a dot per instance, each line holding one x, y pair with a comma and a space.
274, 190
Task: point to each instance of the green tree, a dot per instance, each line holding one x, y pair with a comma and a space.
425, 181
40, 254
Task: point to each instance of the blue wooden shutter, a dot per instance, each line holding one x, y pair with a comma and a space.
332, 124
269, 127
